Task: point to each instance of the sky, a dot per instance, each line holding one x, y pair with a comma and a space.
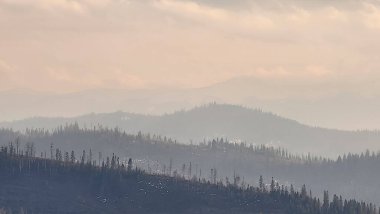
68, 45
319, 47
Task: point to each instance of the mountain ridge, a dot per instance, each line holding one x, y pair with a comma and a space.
222, 120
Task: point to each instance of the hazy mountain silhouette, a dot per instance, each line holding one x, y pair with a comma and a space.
342, 110
228, 121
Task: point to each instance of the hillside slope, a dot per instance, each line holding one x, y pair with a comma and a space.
34, 185
159, 154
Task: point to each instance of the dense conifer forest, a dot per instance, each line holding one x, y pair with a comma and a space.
70, 184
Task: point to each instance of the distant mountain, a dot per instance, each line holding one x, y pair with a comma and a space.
304, 103
227, 121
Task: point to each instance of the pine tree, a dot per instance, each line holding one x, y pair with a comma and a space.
130, 164
261, 184
326, 202
272, 185
72, 157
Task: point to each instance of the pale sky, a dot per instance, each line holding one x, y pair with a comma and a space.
72, 45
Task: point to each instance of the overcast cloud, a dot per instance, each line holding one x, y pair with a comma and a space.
72, 45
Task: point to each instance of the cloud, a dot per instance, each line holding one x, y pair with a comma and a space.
4, 66
79, 44
292, 16
371, 16
334, 14
316, 72
76, 79
53, 6
219, 16
48, 5
65, 5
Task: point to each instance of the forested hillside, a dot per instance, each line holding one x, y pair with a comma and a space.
157, 154
227, 121
68, 185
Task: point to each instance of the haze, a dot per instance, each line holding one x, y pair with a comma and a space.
313, 61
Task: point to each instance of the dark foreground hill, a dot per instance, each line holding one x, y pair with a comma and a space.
158, 154
227, 121
35, 185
